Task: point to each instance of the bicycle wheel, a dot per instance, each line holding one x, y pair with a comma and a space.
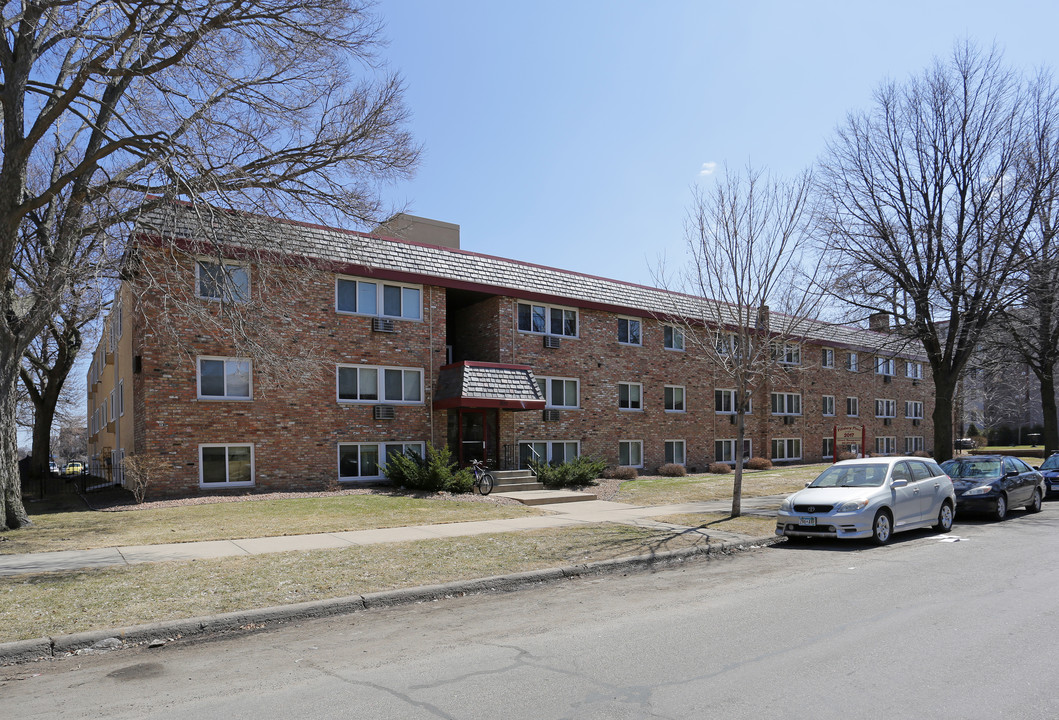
485, 485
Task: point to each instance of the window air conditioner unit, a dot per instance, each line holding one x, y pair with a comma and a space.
385, 412
731, 419
886, 378
551, 341
551, 415
887, 421
915, 423
788, 420
382, 325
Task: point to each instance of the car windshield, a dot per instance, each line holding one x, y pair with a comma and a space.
972, 468
1052, 463
871, 475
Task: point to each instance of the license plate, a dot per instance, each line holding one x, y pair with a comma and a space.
807, 521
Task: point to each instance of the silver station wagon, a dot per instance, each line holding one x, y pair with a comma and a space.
870, 498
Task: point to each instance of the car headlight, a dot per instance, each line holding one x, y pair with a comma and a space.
979, 490
854, 505
785, 506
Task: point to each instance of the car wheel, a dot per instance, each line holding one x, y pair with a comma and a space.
1001, 510
945, 516
1035, 504
881, 528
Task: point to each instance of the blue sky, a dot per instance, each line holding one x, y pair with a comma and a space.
571, 133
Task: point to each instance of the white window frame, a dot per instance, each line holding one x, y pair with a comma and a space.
113, 405
888, 408
827, 405
380, 384
913, 370
121, 397
683, 398
827, 358
828, 444
227, 483
787, 402
885, 366
631, 443
730, 397
234, 292
851, 362
546, 390
667, 444
854, 403
225, 360
788, 444
549, 449
672, 338
634, 405
380, 298
548, 320
727, 454
629, 323
382, 453
913, 443
913, 409
888, 445
786, 353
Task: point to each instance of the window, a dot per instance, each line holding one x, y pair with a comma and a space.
549, 451
630, 453
786, 404
852, 407
914, 410
113, 405
851, 362
361, 461
786, 353
673, 338
828, 358
121, 397
885, 408
630, 396
629, 331
674, 398
367, 384
787, 449
363, 297
828, 450
224, 378
913, 444
675, 452
226, 465
885, 445
914, 370
547, 320
724, 450
884, 366
559, 392
223, 281
725, 401
118, 316
827, 403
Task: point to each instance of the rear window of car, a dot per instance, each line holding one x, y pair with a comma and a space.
920, 471
1051, 463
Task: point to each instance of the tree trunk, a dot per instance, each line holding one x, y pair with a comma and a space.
1051, 422
12, 513
737, 483
43, 417
944, 388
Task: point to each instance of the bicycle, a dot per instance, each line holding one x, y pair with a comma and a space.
483, 481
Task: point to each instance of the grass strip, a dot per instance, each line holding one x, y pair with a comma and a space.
752, 525
667, 490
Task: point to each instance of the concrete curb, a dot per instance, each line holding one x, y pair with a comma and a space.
23, 651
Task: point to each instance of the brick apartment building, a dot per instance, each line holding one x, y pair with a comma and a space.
417, 341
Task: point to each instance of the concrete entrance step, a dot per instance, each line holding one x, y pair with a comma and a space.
546, 497
514, 481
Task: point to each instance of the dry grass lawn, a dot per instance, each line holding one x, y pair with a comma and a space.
666, 490
751, 525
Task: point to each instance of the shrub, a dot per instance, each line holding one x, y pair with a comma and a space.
437, 471
921, 453
846, 455
141, 471
672, 470
621, 473
758, 463
719, 468
579, 471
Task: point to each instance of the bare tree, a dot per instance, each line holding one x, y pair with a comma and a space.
925, 196
110, 109
754, 283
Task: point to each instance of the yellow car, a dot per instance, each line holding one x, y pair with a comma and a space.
73, 468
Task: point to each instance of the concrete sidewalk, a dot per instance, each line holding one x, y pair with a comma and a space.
564, 514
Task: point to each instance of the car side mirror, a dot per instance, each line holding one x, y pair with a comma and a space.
1036, 467
808, 483
1011, 474
898, 483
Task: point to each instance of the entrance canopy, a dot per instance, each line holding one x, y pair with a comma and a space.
471, 384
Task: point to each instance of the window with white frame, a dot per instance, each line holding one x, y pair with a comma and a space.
222, 281
673, 338
786, 353
852, 407
914, 370
365, 461
630, 396
786, 404
121, 397
553, 452
884, 366
827, 405
724, 401
119, 316
371, 384
630, 453
673, 398
222, 378
547, 320
828, 450
913, 443
674, 450
559, 392
724, 450
113, 405
226, 465
379, 299
827, 359
885, 445
629, 331
913, 409
786, 449
851, 362
885, 408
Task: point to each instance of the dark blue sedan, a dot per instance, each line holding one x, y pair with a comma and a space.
994, 483
1050, 470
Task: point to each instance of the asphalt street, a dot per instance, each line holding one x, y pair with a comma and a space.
961, 626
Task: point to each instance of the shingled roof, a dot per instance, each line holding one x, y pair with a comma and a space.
481, 384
